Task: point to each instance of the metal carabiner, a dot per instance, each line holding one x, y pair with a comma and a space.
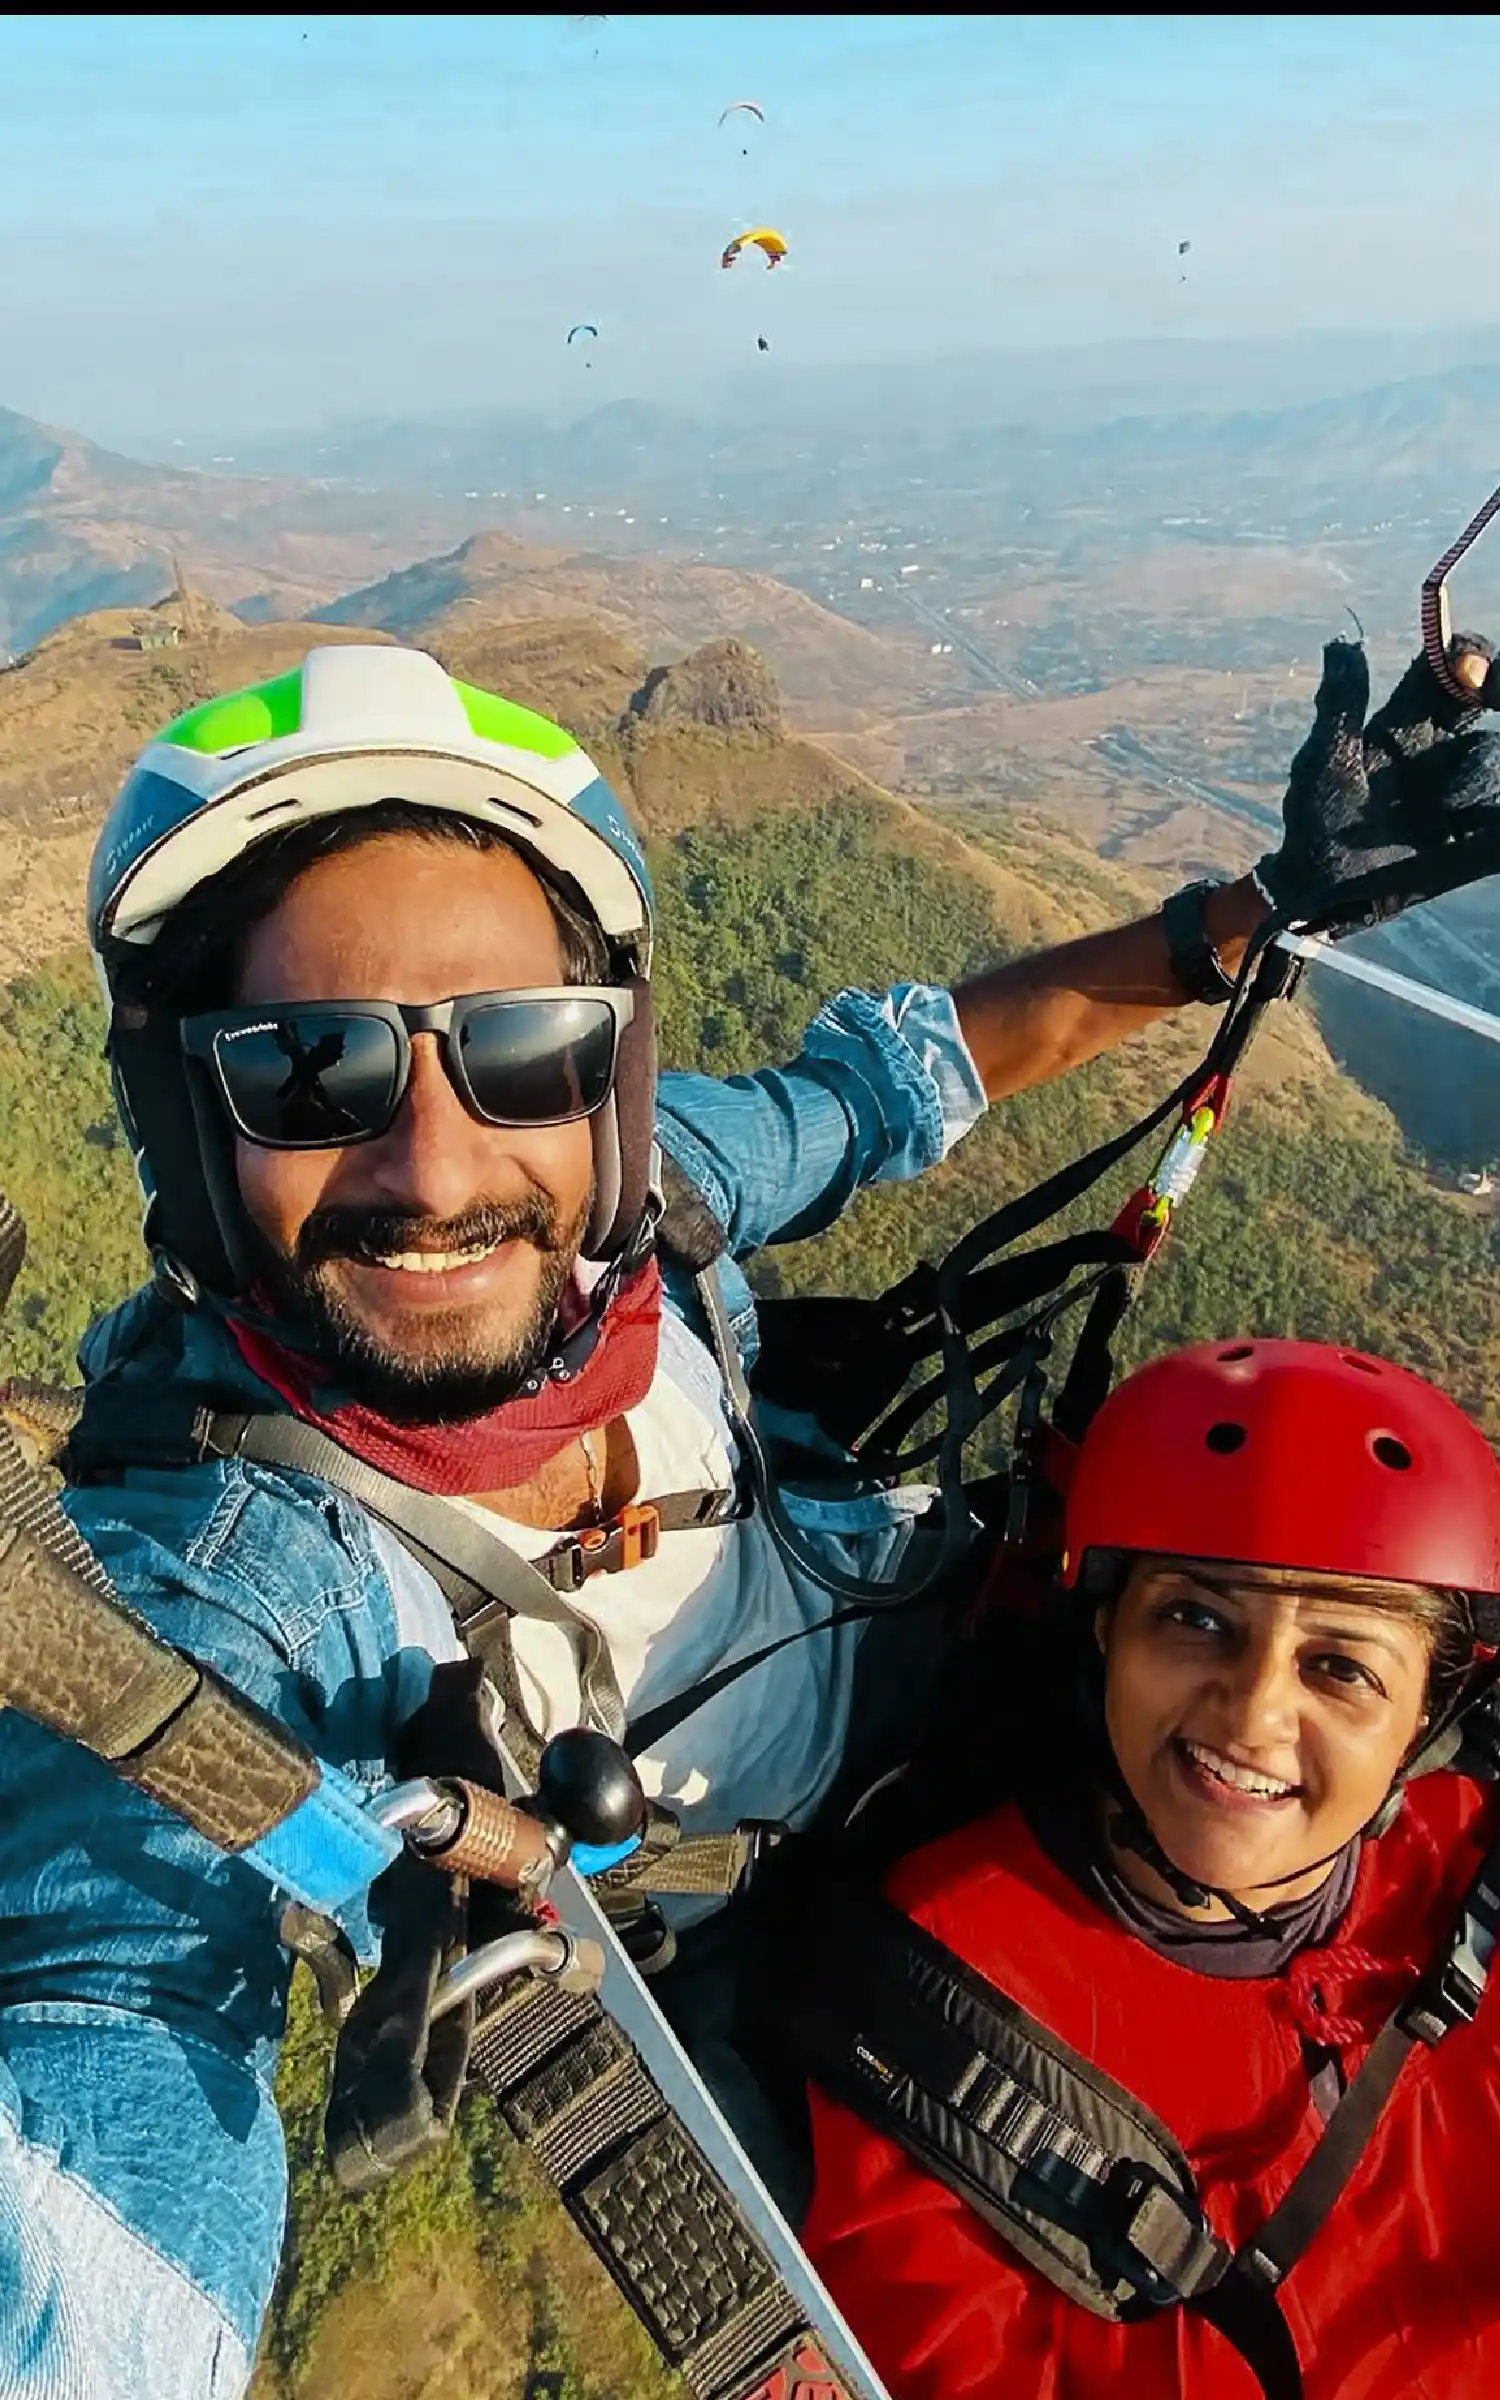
570, 1960
1437, 627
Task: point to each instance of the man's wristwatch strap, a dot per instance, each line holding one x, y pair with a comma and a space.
1194, 961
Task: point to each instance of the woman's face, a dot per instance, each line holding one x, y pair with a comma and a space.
1259, 1716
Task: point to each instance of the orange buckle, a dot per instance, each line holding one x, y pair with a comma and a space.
640, 1532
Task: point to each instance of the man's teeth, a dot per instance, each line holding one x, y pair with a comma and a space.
1241, 1779
435, 1262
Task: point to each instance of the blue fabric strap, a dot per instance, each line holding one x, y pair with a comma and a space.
329, 1850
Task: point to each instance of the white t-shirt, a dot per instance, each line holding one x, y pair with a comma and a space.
769, 1745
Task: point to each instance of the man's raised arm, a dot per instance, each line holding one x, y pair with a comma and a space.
1037, 1017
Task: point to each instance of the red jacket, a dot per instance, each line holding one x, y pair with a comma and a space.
1399, 2293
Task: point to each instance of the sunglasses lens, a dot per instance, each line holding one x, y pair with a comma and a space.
538, 1062
310, 1078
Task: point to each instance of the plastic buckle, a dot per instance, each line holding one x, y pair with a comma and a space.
639, 1529
1130, 2188
568, 1570
1447, 2000
1137, 1225
608, 1549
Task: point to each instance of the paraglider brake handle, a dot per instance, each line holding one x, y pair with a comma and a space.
1463, 678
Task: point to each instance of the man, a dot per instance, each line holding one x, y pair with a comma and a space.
378, 952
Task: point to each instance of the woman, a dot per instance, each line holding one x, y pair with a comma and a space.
1244, 1866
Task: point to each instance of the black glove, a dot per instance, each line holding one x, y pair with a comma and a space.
1379, 816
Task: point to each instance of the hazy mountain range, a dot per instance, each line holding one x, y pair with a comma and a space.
965, 457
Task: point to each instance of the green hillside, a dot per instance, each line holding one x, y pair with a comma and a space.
1311, 1220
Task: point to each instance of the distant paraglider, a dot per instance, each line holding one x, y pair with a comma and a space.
576, 332
761, 343
764, 238
1182, 250
751, 108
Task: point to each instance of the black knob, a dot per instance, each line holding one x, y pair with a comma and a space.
586, 1782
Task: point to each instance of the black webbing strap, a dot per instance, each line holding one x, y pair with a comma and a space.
654, 1724
865, 1600
1447, 1997
1063, 2162
1305, 2207
575, 2091
1243, 2304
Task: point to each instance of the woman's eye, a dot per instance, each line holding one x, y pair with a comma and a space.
1339, 1668
1195, 1615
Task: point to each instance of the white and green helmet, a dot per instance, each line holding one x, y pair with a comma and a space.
355, 725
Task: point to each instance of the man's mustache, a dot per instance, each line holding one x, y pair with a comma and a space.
373, 1233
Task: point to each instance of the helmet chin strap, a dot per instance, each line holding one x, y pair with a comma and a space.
1130, 1830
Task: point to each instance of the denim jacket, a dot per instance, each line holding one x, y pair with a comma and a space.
142, 1980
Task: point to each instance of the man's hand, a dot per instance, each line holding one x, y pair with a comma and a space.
1398, 810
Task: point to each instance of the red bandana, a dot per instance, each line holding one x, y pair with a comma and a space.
494, 1452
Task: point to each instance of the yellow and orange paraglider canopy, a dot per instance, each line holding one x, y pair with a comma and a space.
758, 237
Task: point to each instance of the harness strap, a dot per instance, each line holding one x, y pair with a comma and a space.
1304, 2208
576, 2092
486, 1583
1448, 1996
1073, 2171
500, 1580
77, 1660
865, 1601
483, 1580
654, 1724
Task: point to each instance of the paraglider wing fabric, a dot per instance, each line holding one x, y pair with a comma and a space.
764, 238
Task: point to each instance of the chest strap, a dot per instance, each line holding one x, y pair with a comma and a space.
483, 1580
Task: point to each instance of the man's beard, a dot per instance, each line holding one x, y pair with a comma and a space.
467, 1367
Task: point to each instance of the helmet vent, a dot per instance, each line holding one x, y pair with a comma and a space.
1240, 1350
272, 808
1225, 1438
1390, 1452
1366, 1366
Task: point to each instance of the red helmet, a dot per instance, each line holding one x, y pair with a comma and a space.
1289, 1454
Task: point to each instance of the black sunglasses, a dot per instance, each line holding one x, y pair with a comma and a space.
322, 1074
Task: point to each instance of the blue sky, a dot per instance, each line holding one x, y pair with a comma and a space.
238, 223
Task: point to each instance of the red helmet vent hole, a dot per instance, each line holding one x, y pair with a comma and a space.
1240, 1350
1225, 1438
1366, 1366
1390, 1452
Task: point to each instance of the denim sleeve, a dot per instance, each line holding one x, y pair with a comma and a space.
142, 1978
881, 1090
